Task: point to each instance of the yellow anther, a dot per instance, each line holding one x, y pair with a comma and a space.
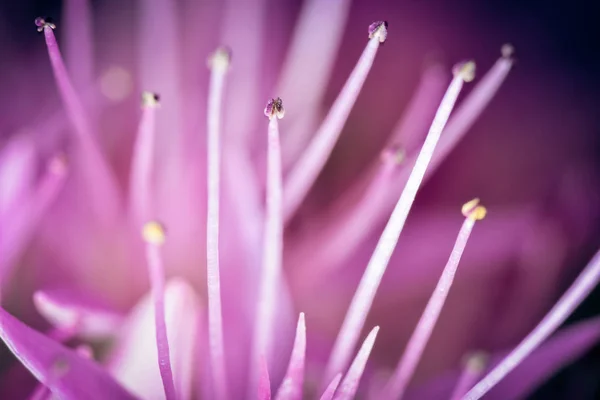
153, 232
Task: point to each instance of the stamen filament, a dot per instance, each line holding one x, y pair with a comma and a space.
332, 387
349, 385
414, 349
363, 297
308, 167
291, 388
273, 238
577, 292
218, 64
141, 169
472, 371
473, 105
154, 236
105, 196
355, 227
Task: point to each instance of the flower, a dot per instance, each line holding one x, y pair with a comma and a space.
209, 203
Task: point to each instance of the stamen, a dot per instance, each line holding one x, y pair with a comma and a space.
473, 105
307, 68
291, 388
577, 292
349, 385
273, 238
363, 297
414, 350
218, 64
141, 169
308, 167
154, 235
332, 387
105, 198
474, 367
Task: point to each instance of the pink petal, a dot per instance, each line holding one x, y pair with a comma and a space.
66, 308
68, 375
557, 352
134, 361
17, 171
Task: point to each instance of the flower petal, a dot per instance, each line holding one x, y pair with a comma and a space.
68, 375
66, 308
558, 351
134, 361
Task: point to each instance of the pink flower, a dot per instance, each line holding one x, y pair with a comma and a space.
172, 249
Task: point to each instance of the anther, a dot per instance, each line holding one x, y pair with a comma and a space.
220, 59
150, 100
466, 70
153, 232
507, 50
394, 155
274, 108
473, 210
43, 22
378, 29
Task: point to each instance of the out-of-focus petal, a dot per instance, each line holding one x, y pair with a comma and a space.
17, 172
68, 375
264, 383
563, 348
134, 361
68, 308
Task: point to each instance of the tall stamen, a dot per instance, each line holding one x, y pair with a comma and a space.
349, 385
306, 170
218, 64
105, 198
474, 366
141, 168
363, 297
577, 292
414, 350
154, 236
474, 104
273, 237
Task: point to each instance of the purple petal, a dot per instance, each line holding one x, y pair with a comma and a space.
558, 351
134, 361
564, 348
66, 308
67, 375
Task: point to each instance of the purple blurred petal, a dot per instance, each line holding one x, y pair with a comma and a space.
68, 308
560, 350
134, 361
68, 375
